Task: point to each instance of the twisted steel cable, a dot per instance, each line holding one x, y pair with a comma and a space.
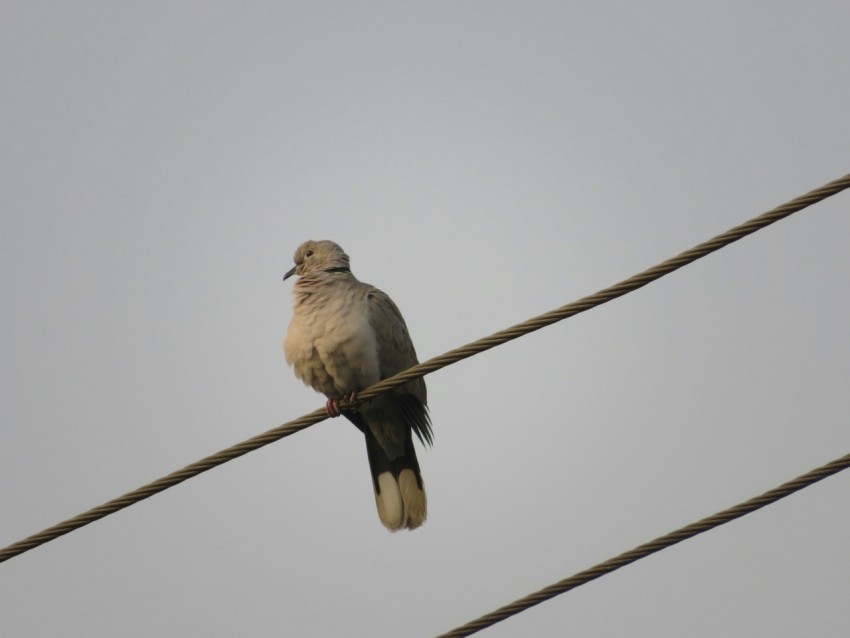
642, 551
453, 356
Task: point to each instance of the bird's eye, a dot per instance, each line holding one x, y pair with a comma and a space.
309, 253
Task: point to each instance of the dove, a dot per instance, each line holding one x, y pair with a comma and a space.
346, 335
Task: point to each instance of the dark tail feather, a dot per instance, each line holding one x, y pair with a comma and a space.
399, 490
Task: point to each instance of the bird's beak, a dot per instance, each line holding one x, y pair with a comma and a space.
289, 273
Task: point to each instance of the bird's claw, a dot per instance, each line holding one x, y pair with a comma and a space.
332, 408
332, 405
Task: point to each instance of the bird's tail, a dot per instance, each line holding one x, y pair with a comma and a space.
399, 490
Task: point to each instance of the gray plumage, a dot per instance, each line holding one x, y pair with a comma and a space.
345, 336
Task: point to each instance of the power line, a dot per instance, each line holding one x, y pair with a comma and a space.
642, 551
586, 303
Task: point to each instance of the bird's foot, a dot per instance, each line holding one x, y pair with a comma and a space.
332, 405
351, 398
332, 408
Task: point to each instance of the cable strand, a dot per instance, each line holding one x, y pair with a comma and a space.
653, 546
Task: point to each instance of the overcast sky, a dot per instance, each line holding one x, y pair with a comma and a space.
481, 162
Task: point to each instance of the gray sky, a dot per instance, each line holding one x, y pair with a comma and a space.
481, 162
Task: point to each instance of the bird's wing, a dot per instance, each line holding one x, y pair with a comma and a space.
396, 353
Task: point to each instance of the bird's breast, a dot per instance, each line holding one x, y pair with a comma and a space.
330, 343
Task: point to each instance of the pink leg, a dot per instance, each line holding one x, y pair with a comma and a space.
332, 405
332, 408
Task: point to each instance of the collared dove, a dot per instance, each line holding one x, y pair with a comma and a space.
345, 336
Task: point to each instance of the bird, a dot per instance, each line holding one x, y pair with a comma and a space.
344, 336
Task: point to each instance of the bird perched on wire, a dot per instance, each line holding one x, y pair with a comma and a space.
345, 336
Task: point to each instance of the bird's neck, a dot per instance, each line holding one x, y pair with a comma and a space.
317, 287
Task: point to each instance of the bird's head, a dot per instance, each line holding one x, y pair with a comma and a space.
318, 256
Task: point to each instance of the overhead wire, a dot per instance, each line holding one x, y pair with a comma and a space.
291, 427
653, 546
